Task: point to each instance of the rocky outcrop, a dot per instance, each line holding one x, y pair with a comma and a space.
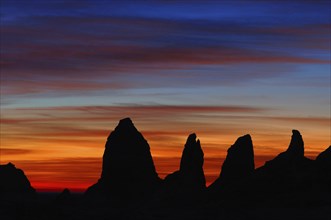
128, 170
290, 160
190, 176
238, 165
239, 162
296, 147
290, 171
13, 181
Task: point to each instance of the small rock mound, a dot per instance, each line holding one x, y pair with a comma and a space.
63, 196
14, 181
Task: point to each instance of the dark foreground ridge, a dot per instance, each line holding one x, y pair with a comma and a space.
290, 186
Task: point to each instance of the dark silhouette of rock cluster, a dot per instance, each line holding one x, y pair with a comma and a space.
129, 186
290, 171
128, 169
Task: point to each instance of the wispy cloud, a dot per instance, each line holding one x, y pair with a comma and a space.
324, 121
96, 45
18, 87
151, 108
13, 151
82, 46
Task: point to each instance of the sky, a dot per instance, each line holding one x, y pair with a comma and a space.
70, 70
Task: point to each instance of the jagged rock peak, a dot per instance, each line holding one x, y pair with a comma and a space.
127, 167
239, 161
9, 165
243, 141
191, 140
190, 177
296, 146
192, 156
125, 122
127, 149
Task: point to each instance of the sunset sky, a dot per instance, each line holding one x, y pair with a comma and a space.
70, 70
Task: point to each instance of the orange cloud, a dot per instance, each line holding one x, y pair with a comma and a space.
13, 151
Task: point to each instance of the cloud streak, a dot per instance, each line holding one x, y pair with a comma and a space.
120, 51
82, 46
89, 48
14, 152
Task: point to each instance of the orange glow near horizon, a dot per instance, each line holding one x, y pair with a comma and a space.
59, 150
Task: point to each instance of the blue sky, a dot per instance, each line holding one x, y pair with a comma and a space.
255, 53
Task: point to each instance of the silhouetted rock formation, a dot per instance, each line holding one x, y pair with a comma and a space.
290, 186
293, 155
239, 163
13, 182
296, 147
291, 160
191, 164
290, 171
190, 176
128, 170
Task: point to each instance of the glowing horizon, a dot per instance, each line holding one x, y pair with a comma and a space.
79, 172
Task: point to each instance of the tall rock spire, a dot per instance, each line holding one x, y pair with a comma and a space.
128, 168
190, 175
296, 147
191, 164
289, 158
238, 164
